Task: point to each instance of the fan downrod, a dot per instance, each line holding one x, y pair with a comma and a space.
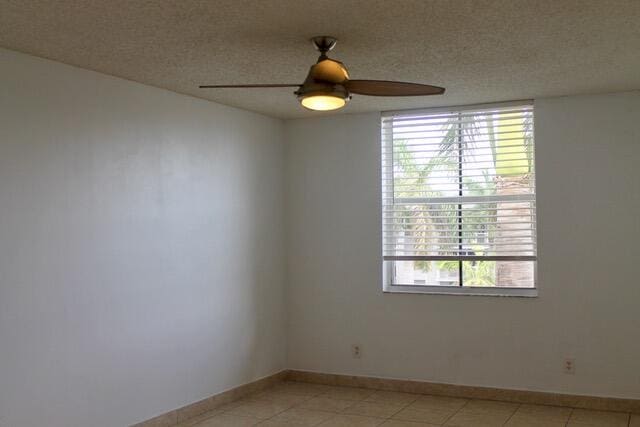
324, 44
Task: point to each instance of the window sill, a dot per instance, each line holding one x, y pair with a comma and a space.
457, 290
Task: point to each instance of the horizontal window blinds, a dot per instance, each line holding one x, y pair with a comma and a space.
459, 184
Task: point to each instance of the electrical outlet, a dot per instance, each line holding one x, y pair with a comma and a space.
569, 366
356, 351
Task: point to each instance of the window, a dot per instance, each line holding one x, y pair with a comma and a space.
459, 200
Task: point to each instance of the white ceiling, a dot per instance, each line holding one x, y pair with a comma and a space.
480, 50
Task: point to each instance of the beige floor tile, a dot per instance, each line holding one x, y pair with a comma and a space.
562, 413
225, 420
268, 392
276, 422
400, 423
584, 417
532, 420
439, 403
231, 405
483, 413
304, 389
539, 415
301, 413
467, 419
218, 410
635, 420
259, 408
490, 407
344, 420
373, 409
273, 422
298, 417
200, 418
347, 393
279, 396
392, 397
321, 403
434, 416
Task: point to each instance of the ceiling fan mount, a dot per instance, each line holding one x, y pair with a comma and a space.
324, 44
328, 86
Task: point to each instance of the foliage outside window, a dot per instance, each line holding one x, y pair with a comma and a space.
458, 188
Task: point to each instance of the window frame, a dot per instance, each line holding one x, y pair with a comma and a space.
461, 289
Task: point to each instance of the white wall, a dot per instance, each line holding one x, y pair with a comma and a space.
588, 151
141, 249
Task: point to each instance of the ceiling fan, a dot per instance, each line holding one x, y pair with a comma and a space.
328, 86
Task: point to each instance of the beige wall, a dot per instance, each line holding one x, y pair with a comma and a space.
587, 155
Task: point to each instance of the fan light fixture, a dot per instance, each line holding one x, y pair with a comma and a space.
324, 99
328, 86
323, 102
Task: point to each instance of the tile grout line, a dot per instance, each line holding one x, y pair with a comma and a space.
569, 417
293, 406
514, 412
333, 414
384, 419
312, 397
406, 405
341, 412
455, 412
403, 408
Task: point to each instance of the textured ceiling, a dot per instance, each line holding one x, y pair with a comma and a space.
480, 50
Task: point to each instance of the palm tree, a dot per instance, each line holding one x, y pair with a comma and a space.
458, 146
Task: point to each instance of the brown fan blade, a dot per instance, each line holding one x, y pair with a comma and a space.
388, 88
245, 86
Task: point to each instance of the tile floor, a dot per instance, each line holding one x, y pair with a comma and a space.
294, 404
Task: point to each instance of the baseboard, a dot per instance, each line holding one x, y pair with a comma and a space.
192, 410
506, 395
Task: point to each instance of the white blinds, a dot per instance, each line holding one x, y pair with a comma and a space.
459, 184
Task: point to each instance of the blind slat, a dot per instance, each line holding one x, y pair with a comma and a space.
451, 258
486, 156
